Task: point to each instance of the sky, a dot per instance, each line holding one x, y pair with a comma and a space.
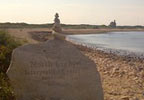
95, 12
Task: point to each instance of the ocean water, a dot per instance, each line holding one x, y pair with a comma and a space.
125, 41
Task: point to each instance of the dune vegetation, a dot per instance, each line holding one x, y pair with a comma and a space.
7, 45
65, 26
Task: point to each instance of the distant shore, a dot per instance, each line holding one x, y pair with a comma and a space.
24, 33
95, 31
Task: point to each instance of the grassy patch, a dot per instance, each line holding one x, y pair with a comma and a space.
7, 45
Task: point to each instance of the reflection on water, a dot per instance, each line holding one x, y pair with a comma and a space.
130, 41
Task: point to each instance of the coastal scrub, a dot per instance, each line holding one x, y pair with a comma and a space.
7, 45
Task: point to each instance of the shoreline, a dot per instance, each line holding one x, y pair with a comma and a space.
118, 52
96, 31
122, 76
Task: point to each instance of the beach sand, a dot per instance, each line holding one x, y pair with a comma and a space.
122, 76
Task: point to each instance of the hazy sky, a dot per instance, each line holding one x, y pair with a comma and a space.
126, 12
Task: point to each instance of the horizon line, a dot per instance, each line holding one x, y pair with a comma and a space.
63, 24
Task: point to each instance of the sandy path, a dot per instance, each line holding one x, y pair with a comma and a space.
24, 34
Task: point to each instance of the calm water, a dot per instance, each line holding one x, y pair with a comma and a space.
129, 41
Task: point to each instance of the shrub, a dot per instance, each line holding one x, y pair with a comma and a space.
7, 45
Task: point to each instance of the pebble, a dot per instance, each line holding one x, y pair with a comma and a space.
125, 98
